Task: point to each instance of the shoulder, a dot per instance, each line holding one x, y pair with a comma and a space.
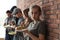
42, 25
43, 22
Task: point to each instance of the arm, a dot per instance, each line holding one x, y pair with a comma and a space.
33, 37
41, 31
41, 36
4, 24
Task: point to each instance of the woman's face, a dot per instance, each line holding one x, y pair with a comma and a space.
18, 15
35, 14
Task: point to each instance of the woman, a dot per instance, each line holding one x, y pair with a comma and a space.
36, 29
26, 22
26, 17
18, 18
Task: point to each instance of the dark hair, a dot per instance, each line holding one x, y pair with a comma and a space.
13, 8
26, 12
38, 7
8, 11
16, 11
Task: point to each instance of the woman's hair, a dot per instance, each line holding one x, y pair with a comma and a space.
17, 10
12, 9
37, 7
26, 12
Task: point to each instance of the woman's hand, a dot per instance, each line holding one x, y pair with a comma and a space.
25, 31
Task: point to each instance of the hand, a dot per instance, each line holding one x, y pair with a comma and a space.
26, 31
15, 28
4, 24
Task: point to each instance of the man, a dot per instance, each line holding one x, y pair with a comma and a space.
19, 18
7, 22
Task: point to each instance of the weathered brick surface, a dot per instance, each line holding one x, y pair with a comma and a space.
51, 9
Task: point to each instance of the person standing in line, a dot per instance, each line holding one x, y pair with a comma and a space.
7, 22
36, 29
18, 18
27, 21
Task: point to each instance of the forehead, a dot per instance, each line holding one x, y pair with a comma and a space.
34, 9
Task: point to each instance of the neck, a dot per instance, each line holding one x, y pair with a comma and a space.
35, 21
26, 19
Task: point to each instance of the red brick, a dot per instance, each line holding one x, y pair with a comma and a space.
55, 39
52, 38
57, 21
57, 11
59, 36
50, 12
45, 1
53, 7
56, 1
56, 31
54, 35
50, 29
47, 4
53, 16
51, 0
36, 3
58, 6
30, 1
50, 21
59, 16
53, 26
59, 26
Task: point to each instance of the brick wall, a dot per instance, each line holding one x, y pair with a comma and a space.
51, 9
22, 4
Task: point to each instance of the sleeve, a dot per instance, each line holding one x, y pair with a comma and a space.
29, 27
41, 28
5, 22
